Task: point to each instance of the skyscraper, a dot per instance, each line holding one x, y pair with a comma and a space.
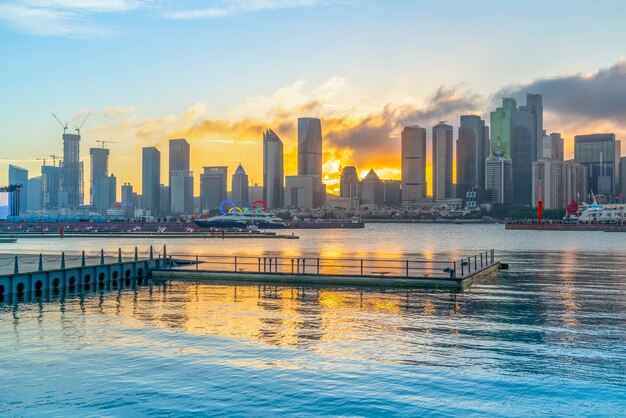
273, 172
240, 186
442, 161
213, 187
72, 171
105, 192
501, 125
35, 200
19, 176
534, 106
129, 200
498, 176
558, 182
50, 186
150, 180
99, 168
600, 153
413, 164
349, 182
472, 148
622, 174
310, 146
553, 147
372, 189
180, 178
521, 156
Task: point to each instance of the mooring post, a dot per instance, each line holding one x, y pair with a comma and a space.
136, 254
63, 260
40, 268
119, 255
151, 253
83, 262
16, 269
102, 257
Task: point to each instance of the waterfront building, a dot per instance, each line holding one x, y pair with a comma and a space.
105, 192
600, 153
255, 192
556, 183
51, 186
35, 201
522, 141
304, 191
442, 161
372, 189
622, 171
180, 177
501, 125
151, 180
472, 148
273, 170
309, 147
534, 106
213, 187
553, 147
349, 182
99, 168
129, 200
165, 203
71, 172
18, 176
413, 168
392, 192
498, 176
239, 186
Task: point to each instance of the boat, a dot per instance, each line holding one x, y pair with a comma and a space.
250, 220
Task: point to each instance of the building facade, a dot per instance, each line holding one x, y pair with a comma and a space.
414, 185
553, 147
35, 201
472, 149
309, 147
557, 183
273, 170
522, 149
372, 190
239, 186
72, 172
213, 187
501, 125
442, 161
151, 181
105, 192
99, 158
19, 176
180, 177
498, 177
349, 182
600, 153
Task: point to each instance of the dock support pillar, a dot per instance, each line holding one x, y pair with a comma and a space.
136, 254
102, 257
119, 255
16, 268
40, 267
62, 260
83, 262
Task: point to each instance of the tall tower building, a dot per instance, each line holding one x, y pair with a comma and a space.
105, 192
180, 178
99, 168
50, 186
240, 186
213, 187
472, 148
309, 147
273, 171
413, 164
150, 180
522, 141
600, 153
534, 106
349, 182
498, 176
72, 171
552, 147
442, 161
19, 176
501, 125
372, 189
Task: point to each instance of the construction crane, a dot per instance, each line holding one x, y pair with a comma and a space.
81, 125
54, 159
104, 146
61, 123
41, 159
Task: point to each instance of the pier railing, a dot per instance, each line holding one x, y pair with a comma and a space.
339, 266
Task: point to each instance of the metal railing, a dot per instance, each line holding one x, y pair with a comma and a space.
333, 266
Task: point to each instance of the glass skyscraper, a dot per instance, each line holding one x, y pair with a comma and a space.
309, 147
600, 153
472, 148
442, 161
150, 180
413, 164
501, 125
273, 171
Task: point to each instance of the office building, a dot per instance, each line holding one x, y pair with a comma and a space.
35, 200
309, 147
472, 149
522, 141
392, 192
105, 192
534, 107
180, 155
165, 200
501, 126
255, 192
273, 171
129, 200
18, 176
349, 182
71, 172
557, 183
239, 186
553, 147
180, 178
151, 180
51, 186
600, 153
372, 189
413, 165
304, 191
213, 187
99, 168
442, 161
622, 174
498, 176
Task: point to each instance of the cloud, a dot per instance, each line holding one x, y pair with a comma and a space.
222, 8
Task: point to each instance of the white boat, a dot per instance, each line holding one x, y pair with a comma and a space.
243, 220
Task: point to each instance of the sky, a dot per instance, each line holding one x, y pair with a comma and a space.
220, 72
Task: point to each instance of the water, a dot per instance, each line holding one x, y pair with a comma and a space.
547, 337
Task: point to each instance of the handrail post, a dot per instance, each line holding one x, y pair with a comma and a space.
292, 266
119, 255
318, 266
235, 263
469, 265
83, 262
454, 271
475, 264
16, 269
259, 264
101, 257
40, 267
361, 267
275, 264
407, 268
136, 254
462, 268
304, 266
197, 263
63, 261
151, 253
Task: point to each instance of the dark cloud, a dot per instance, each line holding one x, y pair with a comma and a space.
601, 95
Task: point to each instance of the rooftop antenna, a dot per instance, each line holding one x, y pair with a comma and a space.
61, 123
54, 159
41, 159
77, 130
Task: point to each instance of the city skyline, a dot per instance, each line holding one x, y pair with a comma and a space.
223, 113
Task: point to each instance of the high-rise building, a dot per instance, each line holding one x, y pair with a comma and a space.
372, 189
273, 172
99, 168
72, 171
213, 187
18, 176
414, 185
622, 174
180, 177
521, 156
151, 180
309, 147
392, 192
239, 186
349, 182
105, 192
304, 191
498, 176
534, 106
501, 125
472, 149
165, 202
255, 192
553, 147
50, 187
35, 200
600, 153
129, 200
442, 161
556, 183
180, 155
